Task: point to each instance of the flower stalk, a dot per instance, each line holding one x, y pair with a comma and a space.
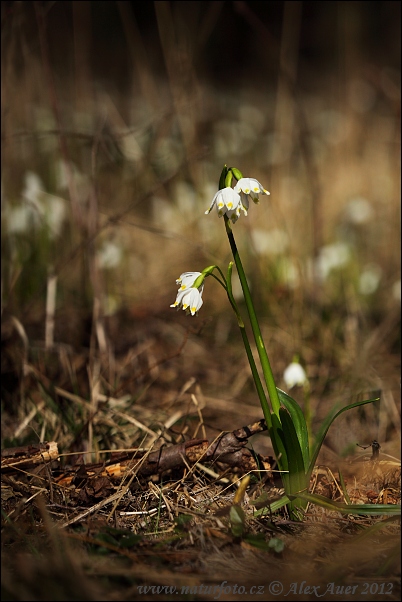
290, 430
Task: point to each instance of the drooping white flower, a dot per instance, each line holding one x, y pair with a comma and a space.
187, 279
294, 375
249, 187
228, 202
189, 299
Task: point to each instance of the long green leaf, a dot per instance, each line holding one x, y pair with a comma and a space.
297, 475
276, 434
373, 529
299, 423
367, 509
274, 506
343, 486
325, 426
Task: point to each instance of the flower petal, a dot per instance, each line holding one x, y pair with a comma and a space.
187, 279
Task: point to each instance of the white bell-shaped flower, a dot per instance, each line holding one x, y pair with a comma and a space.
294, 375
189, 299
228, 202
250, 187
187, 279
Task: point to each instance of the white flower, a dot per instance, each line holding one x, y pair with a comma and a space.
359, 211
270, 242
228, 201
252, 187
187, 280
294, 375
370, 279
332, 257
189, 299
22, 219
110, 255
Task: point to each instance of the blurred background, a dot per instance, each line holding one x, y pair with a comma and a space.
117, 118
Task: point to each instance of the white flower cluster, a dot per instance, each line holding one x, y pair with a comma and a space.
188, 297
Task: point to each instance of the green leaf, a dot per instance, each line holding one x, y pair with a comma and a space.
366, 509
325, 426
343, 485
297, 476
277, 545
258, 541
274, 506
237, 520
276, 435
182, 521
373, 529
299, 423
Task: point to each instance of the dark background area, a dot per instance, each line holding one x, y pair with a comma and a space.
228, 41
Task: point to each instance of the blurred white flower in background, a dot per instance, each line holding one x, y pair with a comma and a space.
33, 187
21, 219
270, 242
109, 255
369, 279
38, 209
358, 211
335, 255
294, 375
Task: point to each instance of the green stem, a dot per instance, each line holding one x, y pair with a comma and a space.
254, 371
266, 366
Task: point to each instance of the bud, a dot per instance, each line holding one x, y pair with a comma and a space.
237, 173
223, 177
228, 179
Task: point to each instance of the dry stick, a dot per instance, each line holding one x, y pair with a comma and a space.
28, 455
93, 509
228, 448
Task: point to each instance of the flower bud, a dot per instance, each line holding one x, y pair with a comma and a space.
237, 173
228, 179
